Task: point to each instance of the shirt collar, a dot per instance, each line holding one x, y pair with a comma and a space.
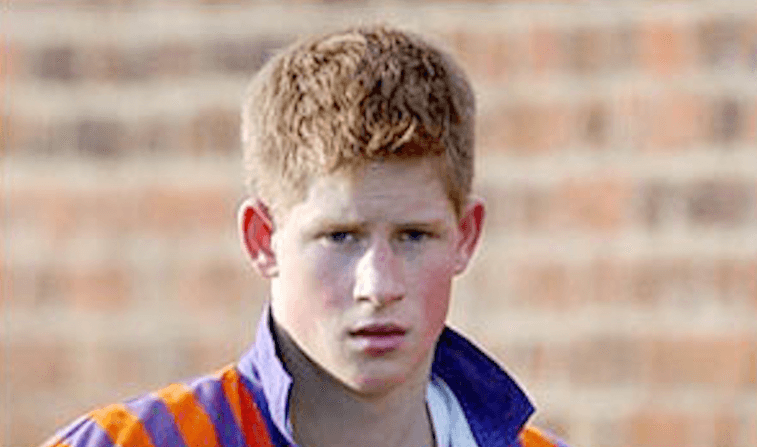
494, 405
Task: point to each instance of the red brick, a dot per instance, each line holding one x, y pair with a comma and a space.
544, 50
721, 203
658, 280
39, 365
593, 204
608, 360
700, 360
719, 41
587, 50
609, 280
546, 284
172, 209
120, 365
653, 428
102, 288
201, 357
675, 121
727, 428
215, 131
665, 48
728, 120
241, 55
527, 129
100, 138
490, 56
736, 281
34, 286
593, 123
171, 59
57, 63
216, 284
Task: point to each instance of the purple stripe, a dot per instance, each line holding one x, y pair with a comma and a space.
89, 434
67, 431
157, 420
209, 393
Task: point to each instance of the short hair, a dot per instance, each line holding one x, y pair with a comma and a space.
342, 99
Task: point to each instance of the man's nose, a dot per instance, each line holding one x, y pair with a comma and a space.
379, 275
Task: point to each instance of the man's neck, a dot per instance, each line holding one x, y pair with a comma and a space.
324, 412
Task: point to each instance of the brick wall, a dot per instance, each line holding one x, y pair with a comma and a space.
617, 156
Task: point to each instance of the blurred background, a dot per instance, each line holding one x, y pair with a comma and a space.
617, 154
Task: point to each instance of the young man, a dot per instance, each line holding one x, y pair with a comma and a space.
359, 154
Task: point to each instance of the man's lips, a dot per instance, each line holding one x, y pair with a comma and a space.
378, 330
378, 339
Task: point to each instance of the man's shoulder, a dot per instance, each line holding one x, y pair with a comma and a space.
533, 437
217, 409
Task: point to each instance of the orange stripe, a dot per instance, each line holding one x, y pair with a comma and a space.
123, 427
245, 410
532, 437
194, 424
54, 443
230, 383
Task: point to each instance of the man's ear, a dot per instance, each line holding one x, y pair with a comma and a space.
469, 228
255, 231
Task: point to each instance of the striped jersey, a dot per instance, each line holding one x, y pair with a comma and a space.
245, 405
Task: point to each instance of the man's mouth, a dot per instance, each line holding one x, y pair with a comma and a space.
378, 339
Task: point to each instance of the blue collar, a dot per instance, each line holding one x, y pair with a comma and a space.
495, 407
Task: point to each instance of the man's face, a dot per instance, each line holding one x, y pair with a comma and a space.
364, 271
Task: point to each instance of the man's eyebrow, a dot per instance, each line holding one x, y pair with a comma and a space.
329, 224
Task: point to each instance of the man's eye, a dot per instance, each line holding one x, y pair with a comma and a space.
340, 237
414, 236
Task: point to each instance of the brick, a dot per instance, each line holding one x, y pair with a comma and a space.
728, 120
39, 365
520, 208
721, 203
119, 365
56, 63
593, 204
28, 203
99, 288
665, 48
586, 50
100, 137
651, 428
241, 56
546, 285
655, 281
719, 43
215, 131
28, 428
489, 56
172, 59
111, 63
34, 287
675, 121
735, 281
609, 360
726, 427
609, 280
175, 209
199, 357
593, 123
527, 129
698, 360
544, 50
218, 285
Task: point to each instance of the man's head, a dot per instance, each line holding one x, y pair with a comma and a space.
359, 148
338, 100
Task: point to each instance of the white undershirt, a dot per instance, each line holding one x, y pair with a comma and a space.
451, 429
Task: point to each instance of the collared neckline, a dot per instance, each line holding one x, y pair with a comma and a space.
495, 407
